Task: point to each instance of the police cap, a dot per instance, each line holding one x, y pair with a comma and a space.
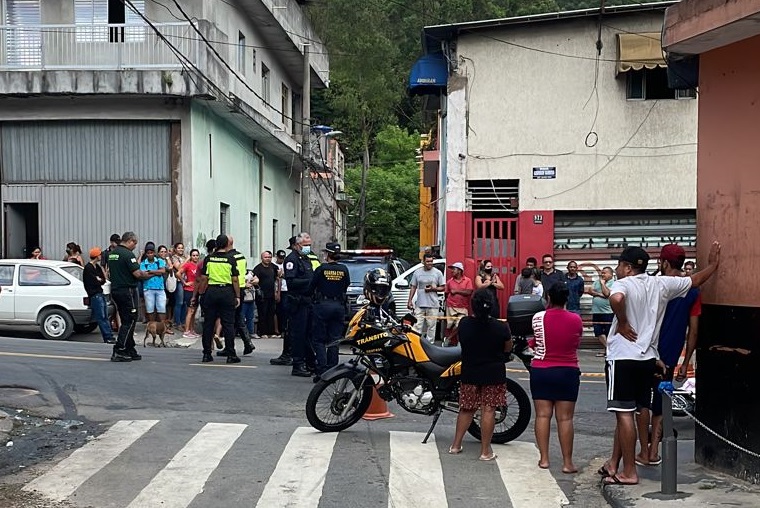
332, 248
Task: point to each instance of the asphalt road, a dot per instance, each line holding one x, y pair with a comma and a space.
178, 433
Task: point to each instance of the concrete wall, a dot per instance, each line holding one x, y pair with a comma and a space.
236, 179
527, 108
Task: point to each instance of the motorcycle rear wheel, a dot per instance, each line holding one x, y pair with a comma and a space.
512, 420
328, 399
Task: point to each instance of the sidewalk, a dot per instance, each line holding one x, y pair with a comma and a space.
697, 487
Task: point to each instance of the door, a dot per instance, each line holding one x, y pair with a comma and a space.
496, 239
15, 231
7, 295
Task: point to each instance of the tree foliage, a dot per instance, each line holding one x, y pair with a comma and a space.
373, 45
392, 218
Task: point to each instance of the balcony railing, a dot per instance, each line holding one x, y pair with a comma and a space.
95, 46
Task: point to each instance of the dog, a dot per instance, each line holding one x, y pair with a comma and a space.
155, 329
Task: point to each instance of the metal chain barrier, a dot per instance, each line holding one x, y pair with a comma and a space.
725, 440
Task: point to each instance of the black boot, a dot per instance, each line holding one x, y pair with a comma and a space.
233, 358
207, 358
248, 346
223, 352
132, 352
300, 372
281, 360
120, 355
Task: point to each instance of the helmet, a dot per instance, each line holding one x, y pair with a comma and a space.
377, 286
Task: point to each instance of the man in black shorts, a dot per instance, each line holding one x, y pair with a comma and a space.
125, 272
638, 302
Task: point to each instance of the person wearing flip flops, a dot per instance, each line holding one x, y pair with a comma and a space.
638, 301
485, 341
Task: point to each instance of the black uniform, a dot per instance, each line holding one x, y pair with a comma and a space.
298, 275
329, 285
121, 265
219, 302
240, 330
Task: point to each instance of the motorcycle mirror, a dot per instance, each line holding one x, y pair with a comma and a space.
362, 300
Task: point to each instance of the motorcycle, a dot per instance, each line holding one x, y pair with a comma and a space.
421, 377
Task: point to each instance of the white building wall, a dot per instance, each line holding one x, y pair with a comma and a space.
531, 108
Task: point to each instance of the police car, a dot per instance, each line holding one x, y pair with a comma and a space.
359, 262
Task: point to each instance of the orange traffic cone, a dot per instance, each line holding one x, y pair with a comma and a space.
378, 408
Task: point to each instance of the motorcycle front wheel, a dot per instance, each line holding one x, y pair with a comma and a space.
337, 404
511, 420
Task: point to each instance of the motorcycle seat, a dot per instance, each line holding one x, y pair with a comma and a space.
443, 356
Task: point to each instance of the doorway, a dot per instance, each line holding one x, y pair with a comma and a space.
22, 229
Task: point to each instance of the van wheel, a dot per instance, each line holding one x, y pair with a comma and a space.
56, 324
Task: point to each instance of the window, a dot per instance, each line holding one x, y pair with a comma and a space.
23, 45
92, 16
253, 225
284, 104
265, 82
295, 113
274, 234
40, 276
6, 275
75, 271
224, 218
651, 84
241, 53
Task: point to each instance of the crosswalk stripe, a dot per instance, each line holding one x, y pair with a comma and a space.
69, 474
416, 475
524, 480
300, 473
184, 477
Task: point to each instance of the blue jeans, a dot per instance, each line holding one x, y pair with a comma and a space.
100, 315
180, 306
249, 313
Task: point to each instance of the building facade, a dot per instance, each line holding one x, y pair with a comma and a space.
719, 41
179, 121
558, 134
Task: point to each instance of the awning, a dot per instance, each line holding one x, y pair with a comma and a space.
429, 75
637, 51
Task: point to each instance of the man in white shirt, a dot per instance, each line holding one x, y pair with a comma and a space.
430, 282
638, 302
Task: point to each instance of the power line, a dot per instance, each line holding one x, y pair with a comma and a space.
229, 68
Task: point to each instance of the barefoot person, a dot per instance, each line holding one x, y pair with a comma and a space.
638, 301
484, 341
555, 374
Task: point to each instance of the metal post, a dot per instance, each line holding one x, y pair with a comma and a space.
306, 143
668, 478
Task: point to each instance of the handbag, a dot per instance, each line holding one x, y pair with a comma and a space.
171, 282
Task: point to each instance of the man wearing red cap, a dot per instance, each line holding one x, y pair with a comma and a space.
638, 302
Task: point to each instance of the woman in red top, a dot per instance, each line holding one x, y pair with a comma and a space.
554, 374
187, 274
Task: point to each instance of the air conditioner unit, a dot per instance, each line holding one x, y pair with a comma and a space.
340, 185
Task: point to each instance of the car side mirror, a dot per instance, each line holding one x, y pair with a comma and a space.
402, 284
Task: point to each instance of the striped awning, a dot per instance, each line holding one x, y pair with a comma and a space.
638, 51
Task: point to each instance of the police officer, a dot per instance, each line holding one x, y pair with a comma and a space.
125, 272
218, 283
328, 287
298, 274
283, 313
240, 330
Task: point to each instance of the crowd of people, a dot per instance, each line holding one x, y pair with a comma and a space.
646, 322
294, 296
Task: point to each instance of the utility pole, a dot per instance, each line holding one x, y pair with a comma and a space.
306, 143
363, 196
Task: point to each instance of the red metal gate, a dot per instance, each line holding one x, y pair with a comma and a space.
496, 239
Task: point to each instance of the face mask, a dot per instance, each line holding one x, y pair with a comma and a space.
306, 250
488, 270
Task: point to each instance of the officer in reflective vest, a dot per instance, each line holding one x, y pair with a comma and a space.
240, 330
328, 287
218, 283
298, 274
